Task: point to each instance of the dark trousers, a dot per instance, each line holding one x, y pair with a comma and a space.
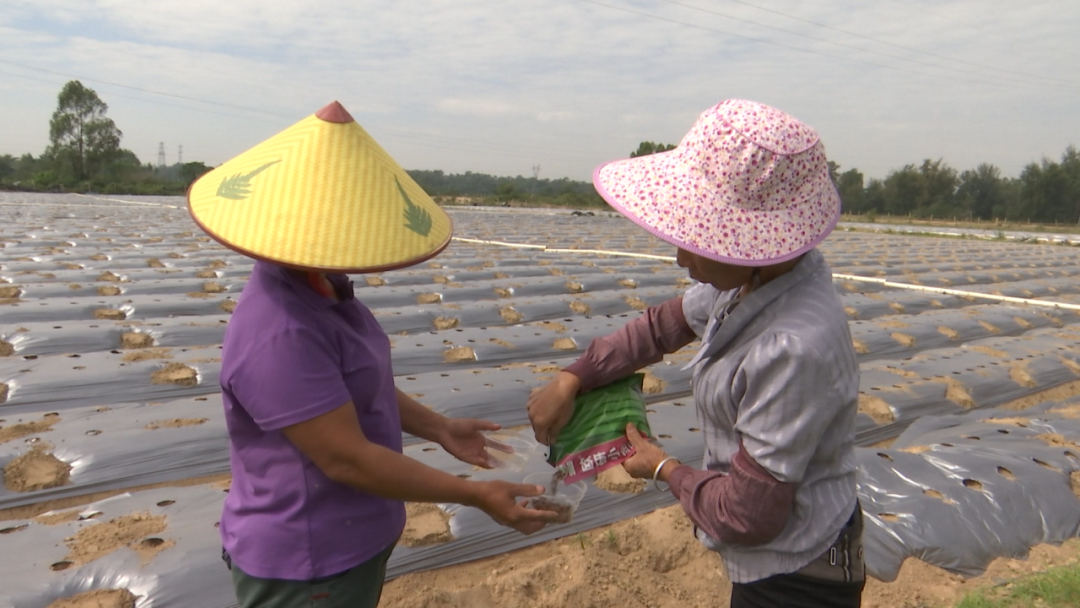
359, 587
833, 580
796, 591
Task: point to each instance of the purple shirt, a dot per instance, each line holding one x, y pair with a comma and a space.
291, 355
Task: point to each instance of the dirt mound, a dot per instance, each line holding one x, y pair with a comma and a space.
11, 292
99, 598
510, 315
652, 385
876, 408
564, 344
37, 469
136, 339
580, 307
446, 322
426, 524
175, 373
132, 531
617, 481
25, 429
459, 354
144, 355
110, 314
55, 518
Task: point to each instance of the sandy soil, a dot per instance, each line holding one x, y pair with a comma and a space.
654, 561
175, 373
138, 531
101, 598
37, 469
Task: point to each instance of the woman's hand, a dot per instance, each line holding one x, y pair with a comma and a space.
464, 439
551, 406
647, 456
499, 499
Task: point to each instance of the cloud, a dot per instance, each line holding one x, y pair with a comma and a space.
498, 87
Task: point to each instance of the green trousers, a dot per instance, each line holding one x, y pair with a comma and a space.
359, 587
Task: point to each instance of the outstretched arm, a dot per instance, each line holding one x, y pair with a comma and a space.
337, 445
463, 438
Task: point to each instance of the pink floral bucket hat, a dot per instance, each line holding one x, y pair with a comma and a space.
748, 185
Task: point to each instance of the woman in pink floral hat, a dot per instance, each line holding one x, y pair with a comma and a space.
746, 197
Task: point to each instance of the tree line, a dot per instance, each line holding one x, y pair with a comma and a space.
1045, 192
84, 154
482, 189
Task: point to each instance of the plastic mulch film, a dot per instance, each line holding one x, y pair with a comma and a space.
161, 546
954, 491
91, 449
111, 317
960, 491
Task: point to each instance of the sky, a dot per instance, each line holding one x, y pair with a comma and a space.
554, 88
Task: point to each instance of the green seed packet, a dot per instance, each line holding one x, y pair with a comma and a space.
595, 438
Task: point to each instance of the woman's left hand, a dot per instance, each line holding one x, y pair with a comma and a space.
647, 455
464, 439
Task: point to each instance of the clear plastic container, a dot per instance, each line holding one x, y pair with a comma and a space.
563, 498
521, 448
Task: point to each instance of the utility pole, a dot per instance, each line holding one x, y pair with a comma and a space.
536, 178
161, 154
180, 155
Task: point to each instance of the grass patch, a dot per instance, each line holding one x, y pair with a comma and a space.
1056, 588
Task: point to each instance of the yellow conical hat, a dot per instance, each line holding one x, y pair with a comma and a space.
320, 195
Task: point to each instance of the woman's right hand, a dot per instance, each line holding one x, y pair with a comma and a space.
499, 499
551, 406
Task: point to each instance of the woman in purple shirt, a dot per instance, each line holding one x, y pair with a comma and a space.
746, 197
314, 419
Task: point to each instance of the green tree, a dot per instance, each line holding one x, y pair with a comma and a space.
646, 148
506, 191
852, 194
927, 190
982, 192
7, 166
1050, 191
83, 140
189, 172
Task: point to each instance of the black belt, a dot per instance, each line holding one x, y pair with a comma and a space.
843, 560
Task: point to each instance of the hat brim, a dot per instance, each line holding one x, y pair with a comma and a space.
321, 195
324, 268
660, 193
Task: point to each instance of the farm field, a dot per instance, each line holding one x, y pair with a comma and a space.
115, 456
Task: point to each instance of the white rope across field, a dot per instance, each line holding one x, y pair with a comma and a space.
844, 277
120, 200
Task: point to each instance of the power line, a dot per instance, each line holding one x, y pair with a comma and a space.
873, 39
800, 49
395, 134
142, 90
